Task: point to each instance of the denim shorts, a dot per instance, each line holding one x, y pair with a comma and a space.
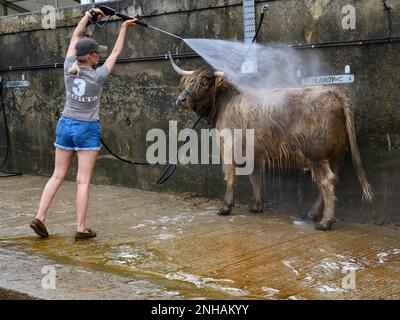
72, 134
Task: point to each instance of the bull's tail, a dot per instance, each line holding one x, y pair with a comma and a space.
349, 112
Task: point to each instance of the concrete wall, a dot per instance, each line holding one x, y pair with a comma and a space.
140, 96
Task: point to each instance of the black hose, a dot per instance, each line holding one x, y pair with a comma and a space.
388, 11
259, 24
172, 166
136, 162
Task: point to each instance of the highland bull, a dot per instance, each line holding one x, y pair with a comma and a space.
307, 127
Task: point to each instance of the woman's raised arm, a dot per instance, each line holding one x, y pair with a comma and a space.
119, 44
80, 30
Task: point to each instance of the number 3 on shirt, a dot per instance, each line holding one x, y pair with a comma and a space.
79, 87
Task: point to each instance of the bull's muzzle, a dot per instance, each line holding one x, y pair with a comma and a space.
183, 101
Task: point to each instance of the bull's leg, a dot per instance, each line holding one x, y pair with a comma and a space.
229, 170
315, 211
256, 203
326, 181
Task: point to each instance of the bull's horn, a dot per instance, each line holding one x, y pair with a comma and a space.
218, 73
178, 69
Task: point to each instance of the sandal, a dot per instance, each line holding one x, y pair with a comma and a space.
85, 235
39, 228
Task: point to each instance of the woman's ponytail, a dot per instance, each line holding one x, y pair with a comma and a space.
74, 68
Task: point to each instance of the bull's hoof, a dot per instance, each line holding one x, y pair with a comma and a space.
256, 210
256, 205
324, 227
224, 212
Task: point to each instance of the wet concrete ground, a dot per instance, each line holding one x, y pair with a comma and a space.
166, 246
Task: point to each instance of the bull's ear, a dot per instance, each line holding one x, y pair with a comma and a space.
221, 84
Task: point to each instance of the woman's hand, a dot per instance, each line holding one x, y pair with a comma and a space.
129, 23
100, 14
81, 29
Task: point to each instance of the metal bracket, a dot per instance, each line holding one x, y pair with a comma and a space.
17, 84
347, 77
249, 20
249, 27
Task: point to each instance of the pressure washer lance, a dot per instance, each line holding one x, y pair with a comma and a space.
110, 12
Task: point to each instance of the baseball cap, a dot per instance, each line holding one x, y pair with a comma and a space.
85, 46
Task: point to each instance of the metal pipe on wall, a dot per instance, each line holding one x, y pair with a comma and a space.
383, 40
363, 42
121, 60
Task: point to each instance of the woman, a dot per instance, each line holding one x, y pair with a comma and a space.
78, 129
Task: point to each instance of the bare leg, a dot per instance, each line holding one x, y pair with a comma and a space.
229, 170
86, 164
326, 181
62, 164
256, 204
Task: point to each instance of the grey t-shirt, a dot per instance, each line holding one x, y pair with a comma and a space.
83, 91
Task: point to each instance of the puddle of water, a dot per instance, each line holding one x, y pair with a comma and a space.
270, 292
288, 263
330, 289
127, 259
200, 282
326, 276
140, 225
303, 223
165, 236
172, 220
385, 256
296, 298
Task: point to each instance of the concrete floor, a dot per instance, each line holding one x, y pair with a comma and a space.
168, 246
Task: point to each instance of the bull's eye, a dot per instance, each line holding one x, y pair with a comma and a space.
204, 83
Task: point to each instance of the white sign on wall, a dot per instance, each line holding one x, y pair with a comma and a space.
347, 77
90, 1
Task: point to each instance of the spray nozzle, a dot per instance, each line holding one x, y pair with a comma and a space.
110, 12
